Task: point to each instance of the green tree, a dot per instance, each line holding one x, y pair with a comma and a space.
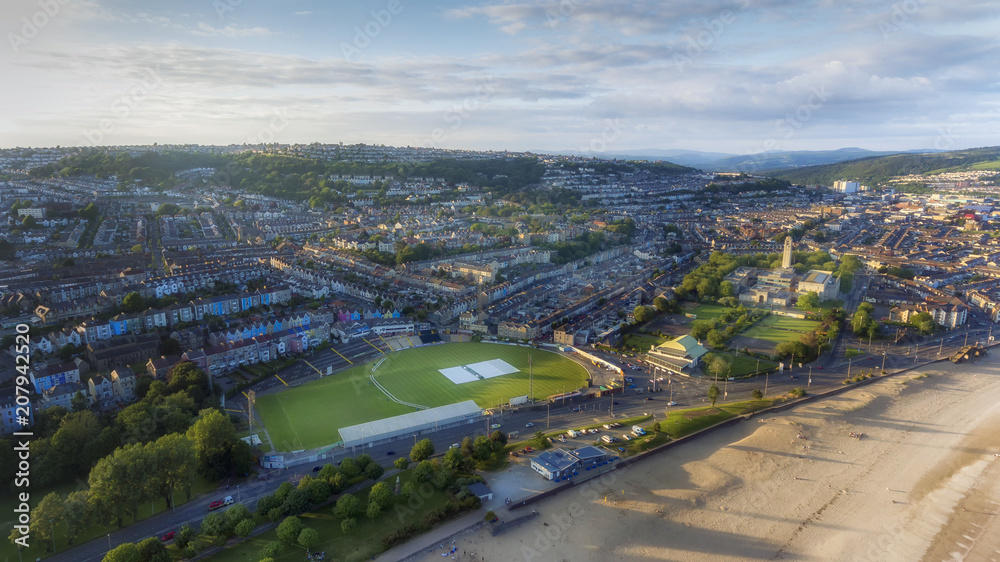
347, 506
713, 394
214, 525
271, 549
453, 459
808, 301
137, 249
422, 450
308, 539
213, 436
152, 550
374, 471
127, 552
380, 494
76, 514
661, 304
373, 510
289, 529
176, 465
117, 484
424, 471
46, 515
133, 302
402, 463
348, 525
643, 313
243, 528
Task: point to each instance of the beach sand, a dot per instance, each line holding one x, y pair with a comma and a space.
923, 482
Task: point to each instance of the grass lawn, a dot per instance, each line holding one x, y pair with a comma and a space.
786, 323
362, 543
708, 311
310, 415
38, 548
643, 341
772, 335
742, 364
685, 422
850, 352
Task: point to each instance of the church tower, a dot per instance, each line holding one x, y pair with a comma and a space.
786, 256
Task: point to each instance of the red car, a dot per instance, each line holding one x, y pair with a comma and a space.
168, 536
216, 505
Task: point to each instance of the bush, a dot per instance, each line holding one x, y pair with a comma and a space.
270, 549
348, 525
798, 392
757, 394
399, 536
490, 515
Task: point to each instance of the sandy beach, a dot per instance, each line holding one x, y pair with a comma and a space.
922, 483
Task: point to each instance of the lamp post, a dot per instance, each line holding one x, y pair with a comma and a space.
810, 381
849, 367
883, 362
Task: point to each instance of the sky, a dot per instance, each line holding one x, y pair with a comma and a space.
735, 76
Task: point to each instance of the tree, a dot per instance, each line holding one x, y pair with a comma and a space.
152, 550
716, 338
76, 513
308, 539
424, 471
289, 530
349, 469
540, 441
757, 394
661, 304
243, 528
176, 465
184, 536
347, 506
718, 365
236, 513
214, 525
127, 552
402, 463
296, 502
137, 249
380, 494
713, 394
453, 459
271, 549
117, 484
133, 302
348, 525
373, 511
213, 436
808, 301
374, 471
467, 446
643, 313
422, 450
47, 514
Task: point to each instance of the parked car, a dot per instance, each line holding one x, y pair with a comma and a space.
390, 453
528, 449
454, 446
317, 468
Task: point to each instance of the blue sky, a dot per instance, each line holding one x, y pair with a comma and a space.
739, 76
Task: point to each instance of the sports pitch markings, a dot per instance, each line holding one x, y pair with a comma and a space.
478, 371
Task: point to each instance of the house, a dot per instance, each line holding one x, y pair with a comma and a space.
49, 376
122, 351
158, 368
555, 463
481, 491
101, 390
61, 395
123, 384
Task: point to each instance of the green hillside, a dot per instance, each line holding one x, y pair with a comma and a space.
880, 169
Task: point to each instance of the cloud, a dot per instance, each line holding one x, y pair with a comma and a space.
303, 13
233, 31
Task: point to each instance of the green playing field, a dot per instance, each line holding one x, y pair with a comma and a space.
310, 415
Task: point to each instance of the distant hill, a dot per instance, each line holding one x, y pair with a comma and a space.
877, 169
791, 159
693, 158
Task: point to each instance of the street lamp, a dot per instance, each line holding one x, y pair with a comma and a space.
883, 362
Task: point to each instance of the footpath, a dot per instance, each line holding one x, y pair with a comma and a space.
433, 540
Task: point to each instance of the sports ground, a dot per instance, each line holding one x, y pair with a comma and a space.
310, 415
